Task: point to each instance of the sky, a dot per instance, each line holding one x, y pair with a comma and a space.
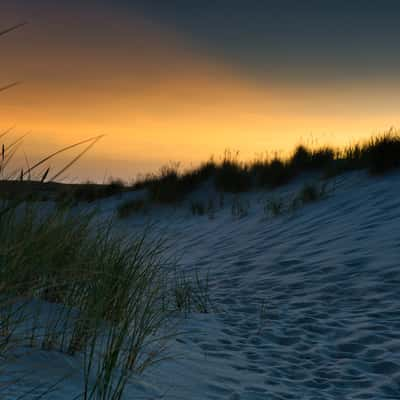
180, 81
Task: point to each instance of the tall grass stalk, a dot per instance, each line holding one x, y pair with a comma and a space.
191, 293
70, 284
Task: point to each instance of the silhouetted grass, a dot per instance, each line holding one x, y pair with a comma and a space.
198, 208
273, 173
4, 32
307, 159
37, 182
89, 192
232, 175
170, 186
376, 155
274, 207
240, 208
191, 293
311, 193
383, 154
129, 207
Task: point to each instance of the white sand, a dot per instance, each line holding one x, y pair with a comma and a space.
308, 303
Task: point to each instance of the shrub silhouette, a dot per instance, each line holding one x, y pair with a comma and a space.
305, 159
383, 154
232, 177
274, 173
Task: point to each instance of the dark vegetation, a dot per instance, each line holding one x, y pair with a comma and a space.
192, 293
309, 193
377, 155
89, 192
130, 207
31, 190
168, 186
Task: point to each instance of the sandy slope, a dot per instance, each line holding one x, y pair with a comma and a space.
308, 303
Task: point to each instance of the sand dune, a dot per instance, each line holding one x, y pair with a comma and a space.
306, 303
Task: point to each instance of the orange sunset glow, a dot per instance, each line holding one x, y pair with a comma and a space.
158, 97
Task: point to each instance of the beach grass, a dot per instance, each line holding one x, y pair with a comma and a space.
377, 155
71, 285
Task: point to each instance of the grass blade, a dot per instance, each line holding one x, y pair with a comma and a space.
12, 28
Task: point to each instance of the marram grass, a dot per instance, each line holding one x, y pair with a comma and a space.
71, 285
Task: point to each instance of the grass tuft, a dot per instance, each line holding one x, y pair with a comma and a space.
191, 294
70, 285
232, 176
378, 155
130, 207
274, 207
383, 153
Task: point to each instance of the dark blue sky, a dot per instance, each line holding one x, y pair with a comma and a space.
289, 40
292, 39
